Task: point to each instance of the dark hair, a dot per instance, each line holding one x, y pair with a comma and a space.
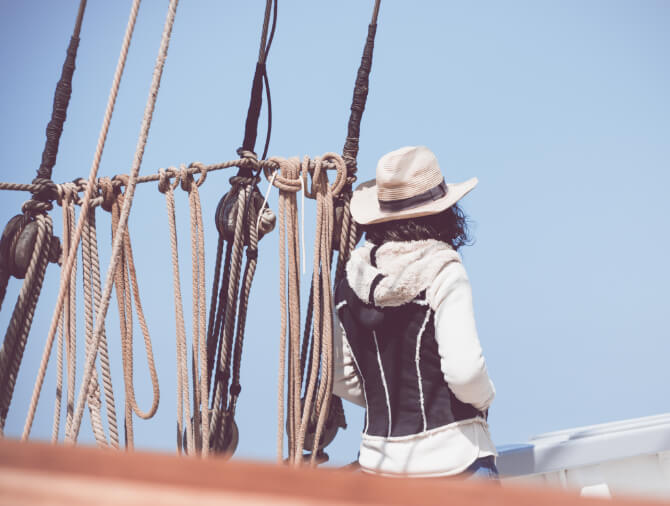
450, 226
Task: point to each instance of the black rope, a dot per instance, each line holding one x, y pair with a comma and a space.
256, 100
350, 150
61, 101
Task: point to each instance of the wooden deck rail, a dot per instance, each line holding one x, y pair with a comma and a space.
41, 473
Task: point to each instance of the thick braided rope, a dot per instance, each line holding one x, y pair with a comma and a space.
283, 321
94, 402
288, 183
220, 401
316, 316
183, 402
127, 289
61, 100
199, 308
322, 300
290, 180
59, 373
65, 245
68, 263
71, 327
105, 366
125, 211
16, 336
249, 271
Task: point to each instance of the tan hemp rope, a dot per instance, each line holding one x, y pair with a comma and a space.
125, 211
126, 290
69, 261
183, 402
292, 178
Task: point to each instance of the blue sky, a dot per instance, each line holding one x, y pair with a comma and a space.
561, 109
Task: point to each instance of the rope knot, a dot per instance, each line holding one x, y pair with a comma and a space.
46, 190
108, 193
186, 179
202, 168
249, 160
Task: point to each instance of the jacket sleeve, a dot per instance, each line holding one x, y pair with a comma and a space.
346, 381
461, 358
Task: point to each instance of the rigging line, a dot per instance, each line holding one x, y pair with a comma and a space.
127, 203
67, 268
260, 78
14, 343
194, 168
267, 82
61, 100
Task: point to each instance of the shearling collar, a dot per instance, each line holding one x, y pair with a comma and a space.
407, 268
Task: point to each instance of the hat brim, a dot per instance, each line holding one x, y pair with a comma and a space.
366, 211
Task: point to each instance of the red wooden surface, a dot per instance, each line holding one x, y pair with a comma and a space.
41, 473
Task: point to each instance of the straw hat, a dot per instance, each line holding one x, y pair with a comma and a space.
409, 184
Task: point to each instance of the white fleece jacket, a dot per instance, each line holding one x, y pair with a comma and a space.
409, 268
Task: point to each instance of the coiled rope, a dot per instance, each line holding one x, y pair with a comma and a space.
313, 409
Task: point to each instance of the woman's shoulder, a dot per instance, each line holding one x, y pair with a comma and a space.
452, 279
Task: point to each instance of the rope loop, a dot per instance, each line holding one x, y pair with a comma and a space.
288, 179
249, 160
120, 180
163, 181
108, 193
185, 178
340, 167
46, 190
203, 169
34, 207
67, 192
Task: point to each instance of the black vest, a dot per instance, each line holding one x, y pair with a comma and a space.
397, 359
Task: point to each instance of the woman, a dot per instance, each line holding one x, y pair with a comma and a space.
408, 349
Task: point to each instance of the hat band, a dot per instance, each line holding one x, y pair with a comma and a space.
401, 204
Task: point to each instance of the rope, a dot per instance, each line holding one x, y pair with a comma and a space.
350, 150
61, 100
127, 203
126, 290
182, 370
291, 308
260, 78
69, 261
193, 168
200, 375
239, 205
94, 402
105, 367
348, 237
16, 336
300, 414
70, 323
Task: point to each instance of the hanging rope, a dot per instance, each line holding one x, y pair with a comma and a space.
68, 262
310, 412
236, 218
92, 298
197, 430
125, 211
16, 336
127, 203
127, 289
